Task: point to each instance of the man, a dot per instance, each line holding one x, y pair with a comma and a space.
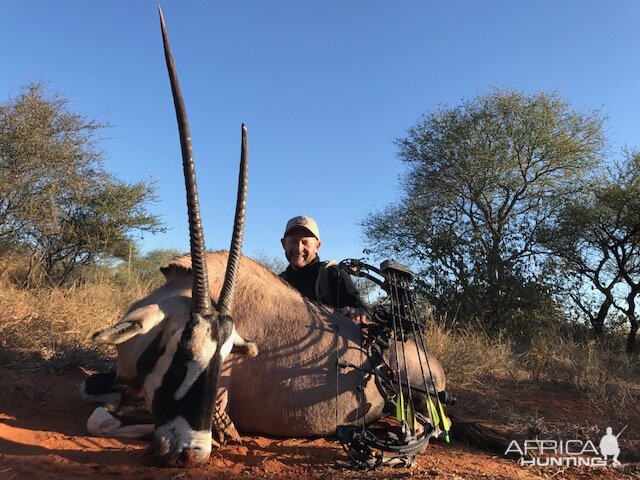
323, 282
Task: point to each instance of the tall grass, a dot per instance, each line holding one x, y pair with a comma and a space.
52, 327
598, 370
468, 354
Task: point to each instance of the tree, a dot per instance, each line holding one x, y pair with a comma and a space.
145, 268
56, 200
272, 262
597, 243
483, 179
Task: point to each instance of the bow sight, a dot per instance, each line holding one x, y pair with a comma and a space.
394, 321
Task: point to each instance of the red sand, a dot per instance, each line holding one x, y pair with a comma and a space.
42, 436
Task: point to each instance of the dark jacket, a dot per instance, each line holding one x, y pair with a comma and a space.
343, 292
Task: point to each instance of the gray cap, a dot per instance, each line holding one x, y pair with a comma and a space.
303, 221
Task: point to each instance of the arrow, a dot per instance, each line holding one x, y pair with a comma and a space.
439, 418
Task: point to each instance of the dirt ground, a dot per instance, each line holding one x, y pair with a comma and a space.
42, 436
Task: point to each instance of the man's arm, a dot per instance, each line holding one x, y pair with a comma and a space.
348, 299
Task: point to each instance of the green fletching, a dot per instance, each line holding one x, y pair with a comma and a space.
434, 412
446, 423
400, 415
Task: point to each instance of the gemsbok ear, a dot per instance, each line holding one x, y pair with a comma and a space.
136, 322
119, 333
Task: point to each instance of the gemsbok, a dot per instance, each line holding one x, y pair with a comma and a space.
175, 360
171, 345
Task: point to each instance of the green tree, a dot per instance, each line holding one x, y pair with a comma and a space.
56, 199
597, 243
145, 268
483, 178
274, 263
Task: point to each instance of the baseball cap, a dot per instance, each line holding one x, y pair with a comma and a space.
303, 221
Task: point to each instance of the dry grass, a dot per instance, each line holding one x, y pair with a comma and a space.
52, 327
599, 371
469, 355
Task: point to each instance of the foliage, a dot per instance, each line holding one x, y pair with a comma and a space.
51, 327
273, 263
138, 269
468, 353
483, 179
56, 200
596, 369
146, 268
597, 245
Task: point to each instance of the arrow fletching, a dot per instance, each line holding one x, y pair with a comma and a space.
400, 411
434, 412
446, 423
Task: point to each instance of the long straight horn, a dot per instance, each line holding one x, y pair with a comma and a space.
200, 294
226, 294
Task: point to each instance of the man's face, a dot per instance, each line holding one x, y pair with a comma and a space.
300, 247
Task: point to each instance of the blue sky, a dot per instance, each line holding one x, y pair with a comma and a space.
324, 88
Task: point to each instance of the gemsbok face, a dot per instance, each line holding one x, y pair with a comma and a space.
177, 361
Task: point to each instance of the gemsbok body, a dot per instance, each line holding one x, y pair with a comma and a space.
294, 386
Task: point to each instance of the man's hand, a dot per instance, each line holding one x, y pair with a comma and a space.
358, 316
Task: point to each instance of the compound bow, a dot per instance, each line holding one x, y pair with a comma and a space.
393, 321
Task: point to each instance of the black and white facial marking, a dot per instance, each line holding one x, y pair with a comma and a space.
179, 382
180, 390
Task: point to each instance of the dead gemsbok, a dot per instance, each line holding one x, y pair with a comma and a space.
175, 361
295, 387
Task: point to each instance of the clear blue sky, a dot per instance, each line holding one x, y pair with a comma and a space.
324, 88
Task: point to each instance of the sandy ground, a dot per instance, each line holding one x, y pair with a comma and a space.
42, 436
